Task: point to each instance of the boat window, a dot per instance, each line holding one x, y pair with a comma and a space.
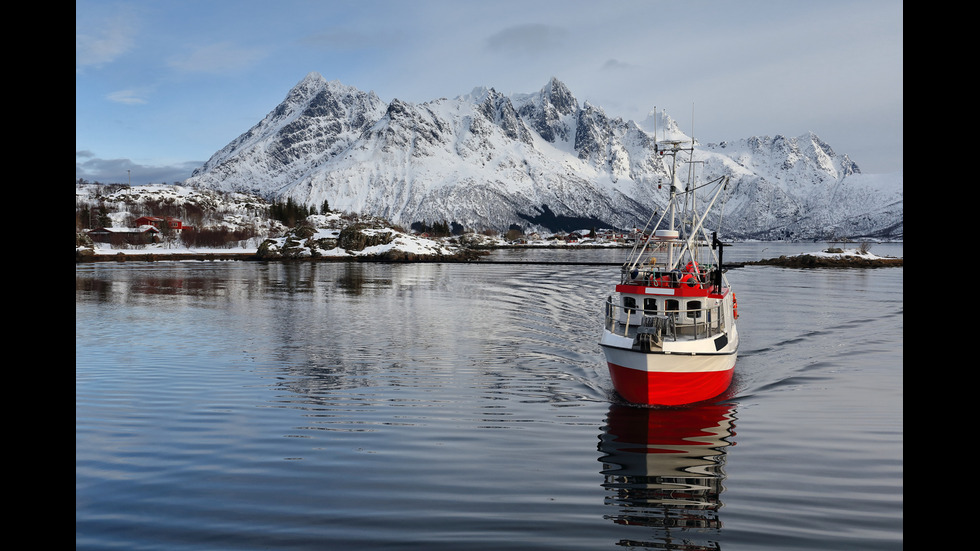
694, 308
650, 306
671, 305
629, 303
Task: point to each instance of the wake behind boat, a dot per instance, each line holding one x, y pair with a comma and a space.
669, 336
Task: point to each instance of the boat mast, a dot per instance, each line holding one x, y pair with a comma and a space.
675, 184
673, 147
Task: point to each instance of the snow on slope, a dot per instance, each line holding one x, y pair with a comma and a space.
486, 160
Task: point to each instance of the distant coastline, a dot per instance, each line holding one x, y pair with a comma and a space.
848, 259
88, 255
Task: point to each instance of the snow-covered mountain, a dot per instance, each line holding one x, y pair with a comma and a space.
485, 160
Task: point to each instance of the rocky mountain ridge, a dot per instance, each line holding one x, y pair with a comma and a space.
490, 161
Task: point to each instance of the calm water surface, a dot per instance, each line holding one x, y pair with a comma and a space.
246, 405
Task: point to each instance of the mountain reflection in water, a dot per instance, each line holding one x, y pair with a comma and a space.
663, 469
448, 406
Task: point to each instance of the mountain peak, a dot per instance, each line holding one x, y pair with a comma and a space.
560, 97
313, 76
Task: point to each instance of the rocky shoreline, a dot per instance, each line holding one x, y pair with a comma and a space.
87, 255
396, 256
819, 261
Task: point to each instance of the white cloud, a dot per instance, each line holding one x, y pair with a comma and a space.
129, 97
101, 42
528, 39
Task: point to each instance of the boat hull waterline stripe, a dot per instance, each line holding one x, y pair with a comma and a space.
663, 388
680, 362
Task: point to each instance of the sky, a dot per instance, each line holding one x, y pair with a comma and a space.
161, 85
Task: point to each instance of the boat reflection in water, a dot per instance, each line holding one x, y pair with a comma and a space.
663, 469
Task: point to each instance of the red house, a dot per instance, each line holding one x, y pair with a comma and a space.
159, 221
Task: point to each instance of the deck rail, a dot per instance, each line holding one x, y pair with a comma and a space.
680, 324
661, 277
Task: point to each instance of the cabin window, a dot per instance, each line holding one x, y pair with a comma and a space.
629, 303
650, 306
671, 306
694, 308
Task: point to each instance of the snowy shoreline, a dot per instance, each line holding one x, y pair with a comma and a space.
847, 258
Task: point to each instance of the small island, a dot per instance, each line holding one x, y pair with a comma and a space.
832, 257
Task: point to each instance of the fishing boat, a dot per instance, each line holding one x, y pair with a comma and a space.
669, 335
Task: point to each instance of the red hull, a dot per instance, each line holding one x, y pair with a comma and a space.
668, 389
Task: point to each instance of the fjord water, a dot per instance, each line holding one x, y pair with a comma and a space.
245, 405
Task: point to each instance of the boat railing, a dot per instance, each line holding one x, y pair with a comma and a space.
662, 277
679, 324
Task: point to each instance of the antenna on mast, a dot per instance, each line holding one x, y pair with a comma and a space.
655, 149
692, 124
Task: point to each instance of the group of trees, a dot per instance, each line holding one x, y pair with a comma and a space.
87, 217
291, 213
215, 237
438, 229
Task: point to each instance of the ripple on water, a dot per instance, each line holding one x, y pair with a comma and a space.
294, 406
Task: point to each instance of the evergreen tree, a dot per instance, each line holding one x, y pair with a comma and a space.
289, 213
440, 229
103, 220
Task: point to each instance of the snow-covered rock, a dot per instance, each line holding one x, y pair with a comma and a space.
337, 236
